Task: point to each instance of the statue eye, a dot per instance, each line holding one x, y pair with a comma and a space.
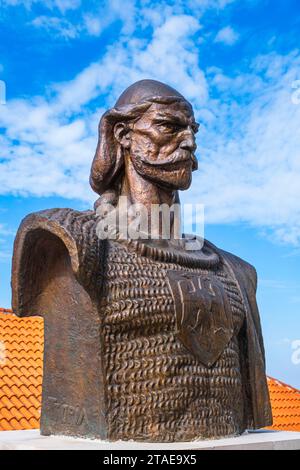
195, 127
171, 127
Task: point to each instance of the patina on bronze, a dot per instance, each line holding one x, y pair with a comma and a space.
144, 339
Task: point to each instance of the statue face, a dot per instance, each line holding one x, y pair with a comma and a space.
162, 145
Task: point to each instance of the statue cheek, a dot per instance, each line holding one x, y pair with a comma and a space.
145, 146
170, 147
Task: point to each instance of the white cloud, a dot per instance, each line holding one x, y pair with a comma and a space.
64, 5
61, 5
93, 24
51, 147
248, 148
227, 36
277, 284
5, 235
73, 17
250, 165
58, 26
4, 231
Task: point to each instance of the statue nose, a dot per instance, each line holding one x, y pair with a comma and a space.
188, 143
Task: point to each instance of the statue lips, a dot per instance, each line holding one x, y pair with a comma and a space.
178, 160
179, 165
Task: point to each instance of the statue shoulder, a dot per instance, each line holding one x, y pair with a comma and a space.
61, 221
77, 230
242, 269
48, 236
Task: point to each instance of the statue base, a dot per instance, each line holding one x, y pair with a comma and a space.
252, 440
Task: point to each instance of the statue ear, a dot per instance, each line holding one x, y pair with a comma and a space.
122, 134
108, 159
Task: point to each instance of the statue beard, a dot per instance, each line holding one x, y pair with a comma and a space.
173, 172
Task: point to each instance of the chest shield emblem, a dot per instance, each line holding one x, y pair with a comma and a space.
203, 314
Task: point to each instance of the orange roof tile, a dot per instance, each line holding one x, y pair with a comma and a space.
5, 310
21, 361
21, 356
285, 406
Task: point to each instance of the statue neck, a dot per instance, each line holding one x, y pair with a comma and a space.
139, 190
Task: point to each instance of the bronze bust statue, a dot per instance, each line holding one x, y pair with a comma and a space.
145, 339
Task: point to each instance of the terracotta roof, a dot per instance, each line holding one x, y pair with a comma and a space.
21, 358
285, 406
21, 361
5, 310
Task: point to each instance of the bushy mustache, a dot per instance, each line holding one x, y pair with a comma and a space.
177, 157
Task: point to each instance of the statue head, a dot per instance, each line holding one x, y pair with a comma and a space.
153, 127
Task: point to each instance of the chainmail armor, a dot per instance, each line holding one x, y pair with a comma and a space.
156, 389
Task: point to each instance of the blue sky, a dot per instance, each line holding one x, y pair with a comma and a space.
65, 61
